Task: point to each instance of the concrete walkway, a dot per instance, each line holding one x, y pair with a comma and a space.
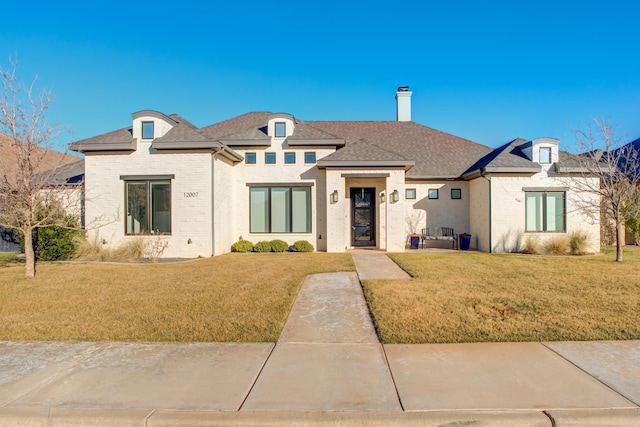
328, 368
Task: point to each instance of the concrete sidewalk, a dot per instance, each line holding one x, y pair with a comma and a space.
328, 368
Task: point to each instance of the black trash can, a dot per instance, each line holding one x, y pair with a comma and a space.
465, 241
415, 241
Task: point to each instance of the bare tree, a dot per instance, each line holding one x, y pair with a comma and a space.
616, 165
24, 182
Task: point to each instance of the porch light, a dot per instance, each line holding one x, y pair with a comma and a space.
382, 197
395, 196
334, 197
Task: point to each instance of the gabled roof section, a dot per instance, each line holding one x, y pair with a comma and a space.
247, 129
430, 154
508, 158
69, 174
306, 134
183, 136
117, 140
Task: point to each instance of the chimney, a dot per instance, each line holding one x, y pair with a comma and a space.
403, 104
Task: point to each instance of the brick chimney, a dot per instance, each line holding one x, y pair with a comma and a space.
403, 104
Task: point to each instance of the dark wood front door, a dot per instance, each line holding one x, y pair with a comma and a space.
363, 213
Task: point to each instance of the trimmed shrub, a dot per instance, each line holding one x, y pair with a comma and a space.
557, 246
279, 245
262, 246
578, 243
242, 246
531, 246
302, 246
55, 242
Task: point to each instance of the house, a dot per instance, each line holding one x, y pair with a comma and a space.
43, 160
337, 184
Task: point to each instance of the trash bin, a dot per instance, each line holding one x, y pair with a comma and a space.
465, 241
415, 241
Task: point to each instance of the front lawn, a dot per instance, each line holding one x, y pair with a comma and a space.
479, 297
229, 298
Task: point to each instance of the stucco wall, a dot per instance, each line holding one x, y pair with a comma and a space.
190, 196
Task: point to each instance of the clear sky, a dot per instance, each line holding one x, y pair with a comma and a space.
488, 71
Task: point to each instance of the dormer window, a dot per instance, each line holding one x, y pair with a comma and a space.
545, 155
280, 129
147, 130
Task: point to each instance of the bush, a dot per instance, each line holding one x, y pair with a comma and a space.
279, 245
55, 242
578, 242
242, 246
557, 246
531, 245
262, 246
302, 246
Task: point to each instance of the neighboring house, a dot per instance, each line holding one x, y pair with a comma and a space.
45, 160
337, 184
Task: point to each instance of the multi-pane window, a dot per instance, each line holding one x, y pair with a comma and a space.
280, 210
310, 157
433, 193
250, 158
148, 207
545, 211
147, 130
545, 155
290, 158
410, 193
280, 130
269, 158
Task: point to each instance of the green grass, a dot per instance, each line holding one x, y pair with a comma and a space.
9, 259
479, 297
229, 298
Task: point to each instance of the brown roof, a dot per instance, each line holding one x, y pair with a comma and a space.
43, 159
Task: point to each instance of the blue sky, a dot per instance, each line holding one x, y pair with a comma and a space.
485, 71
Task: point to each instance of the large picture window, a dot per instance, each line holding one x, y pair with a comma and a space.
148, 207
280, 210
545, 211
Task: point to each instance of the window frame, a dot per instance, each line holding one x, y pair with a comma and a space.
459, 192
286, 160
290, 204
148, 182
433, 191
267, 155
407, 194
544, 208
280, 129
547, 150
246, 158
142, 130
306, 157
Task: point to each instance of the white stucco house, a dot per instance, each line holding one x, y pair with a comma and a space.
337, 184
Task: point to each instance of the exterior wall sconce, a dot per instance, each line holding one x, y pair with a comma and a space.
334, 197
382, 197
395, 196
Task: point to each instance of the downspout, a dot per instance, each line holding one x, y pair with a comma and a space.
490, 216
213, 199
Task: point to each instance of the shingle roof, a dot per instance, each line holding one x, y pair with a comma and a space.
182, 132
507, 158
238, 127
70, 174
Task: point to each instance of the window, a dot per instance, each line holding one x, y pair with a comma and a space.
310, 157
147, 130
433, 193
289, 158
545, 211
280, 130
148, 207
545, 155
250, 158
270, 158
280, 210
410, 193
456, 193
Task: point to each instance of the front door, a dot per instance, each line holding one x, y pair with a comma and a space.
363, 210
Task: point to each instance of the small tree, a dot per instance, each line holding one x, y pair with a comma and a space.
30, 137
616, 166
